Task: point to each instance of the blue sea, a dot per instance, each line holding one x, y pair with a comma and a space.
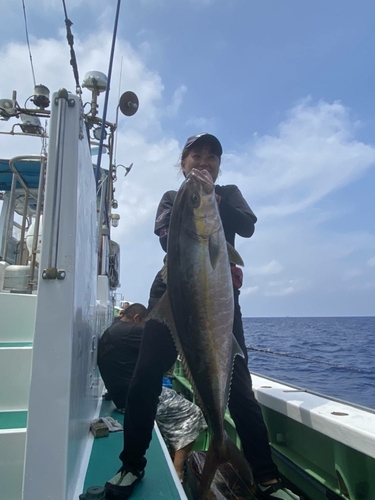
332, 356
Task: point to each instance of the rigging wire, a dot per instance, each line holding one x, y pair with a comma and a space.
73, 59
28, 42
268, 351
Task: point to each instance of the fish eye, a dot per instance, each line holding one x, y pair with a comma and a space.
195, 199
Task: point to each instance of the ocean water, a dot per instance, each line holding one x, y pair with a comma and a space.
332, 356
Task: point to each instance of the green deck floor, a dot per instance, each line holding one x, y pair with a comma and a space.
13, 419
15, 344
104, 463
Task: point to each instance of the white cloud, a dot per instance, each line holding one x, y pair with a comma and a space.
313, 154
177, 98
280, 292
201, 123
250, 290
351, 273
273, 267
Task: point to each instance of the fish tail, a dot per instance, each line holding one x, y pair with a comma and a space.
226, 452
211, 464
238, 461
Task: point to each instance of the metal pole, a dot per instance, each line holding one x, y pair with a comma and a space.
22, 237
9, 220
37, 221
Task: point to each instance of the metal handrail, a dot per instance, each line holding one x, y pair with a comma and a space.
16, 177
20, 179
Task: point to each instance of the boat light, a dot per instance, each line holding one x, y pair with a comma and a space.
115, 219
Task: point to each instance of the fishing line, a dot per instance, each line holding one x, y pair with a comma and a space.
268, 351
28, 43
118, 100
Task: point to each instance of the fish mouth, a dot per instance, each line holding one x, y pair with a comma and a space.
204, 178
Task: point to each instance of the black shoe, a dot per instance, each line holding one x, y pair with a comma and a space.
121, 486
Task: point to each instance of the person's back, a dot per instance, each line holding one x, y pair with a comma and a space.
118, 350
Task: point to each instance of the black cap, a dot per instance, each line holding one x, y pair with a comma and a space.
205, 138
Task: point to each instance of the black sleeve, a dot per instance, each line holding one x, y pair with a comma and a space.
163, 217
235, 212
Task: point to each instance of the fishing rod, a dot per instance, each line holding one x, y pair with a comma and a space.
269, 351
102, 130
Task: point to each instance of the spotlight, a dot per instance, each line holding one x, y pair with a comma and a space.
97, 131
6, 109
31, 124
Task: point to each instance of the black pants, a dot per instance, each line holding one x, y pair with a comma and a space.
157, 355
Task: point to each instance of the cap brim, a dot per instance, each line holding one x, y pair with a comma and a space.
205, 139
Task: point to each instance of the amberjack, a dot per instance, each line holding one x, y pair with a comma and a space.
198, 308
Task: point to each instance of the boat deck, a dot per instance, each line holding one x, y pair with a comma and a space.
160, 480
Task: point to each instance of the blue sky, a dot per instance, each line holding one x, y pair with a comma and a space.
287, 86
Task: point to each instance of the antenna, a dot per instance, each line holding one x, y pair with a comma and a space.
118, 99
27, 40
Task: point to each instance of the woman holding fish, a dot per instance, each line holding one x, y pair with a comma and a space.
194, 310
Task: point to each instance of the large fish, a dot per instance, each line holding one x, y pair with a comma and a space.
198, 308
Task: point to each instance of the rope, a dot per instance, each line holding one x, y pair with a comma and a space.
28, 43
268, 351
73, 59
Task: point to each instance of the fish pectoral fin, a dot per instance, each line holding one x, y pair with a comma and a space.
234, 256
214, 249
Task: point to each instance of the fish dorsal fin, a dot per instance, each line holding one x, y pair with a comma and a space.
234, 256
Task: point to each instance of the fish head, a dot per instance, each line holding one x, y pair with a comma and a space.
201, 209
